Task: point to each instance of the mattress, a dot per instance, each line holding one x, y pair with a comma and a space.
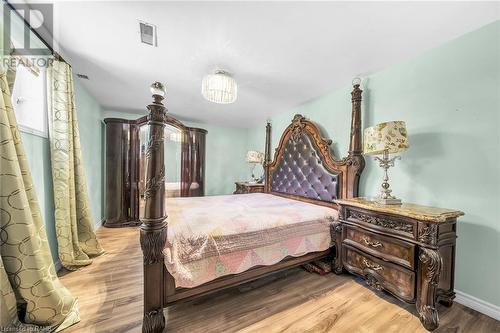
215, 236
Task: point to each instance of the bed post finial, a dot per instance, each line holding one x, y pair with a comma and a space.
355, 145
153, 231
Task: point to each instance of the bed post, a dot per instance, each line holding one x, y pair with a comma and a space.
267, 156
355, 145
153, 231
356, 164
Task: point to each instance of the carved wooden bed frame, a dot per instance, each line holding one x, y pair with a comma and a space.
159, 285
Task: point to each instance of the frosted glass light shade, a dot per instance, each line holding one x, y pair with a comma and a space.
219, 88
390, 136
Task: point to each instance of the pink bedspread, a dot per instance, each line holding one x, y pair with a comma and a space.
210, 237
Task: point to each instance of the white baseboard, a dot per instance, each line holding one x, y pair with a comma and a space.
491, 310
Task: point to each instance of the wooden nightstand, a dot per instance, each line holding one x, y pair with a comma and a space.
246, 187
407, 250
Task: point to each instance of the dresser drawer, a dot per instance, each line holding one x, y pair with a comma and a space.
388, 248
395, 225
380, 274
245, 188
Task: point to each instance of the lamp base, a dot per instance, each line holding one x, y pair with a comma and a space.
385, 197
390, 201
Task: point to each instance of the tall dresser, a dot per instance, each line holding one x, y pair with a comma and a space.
407, 250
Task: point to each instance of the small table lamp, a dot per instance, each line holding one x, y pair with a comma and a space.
254, 157
384, 139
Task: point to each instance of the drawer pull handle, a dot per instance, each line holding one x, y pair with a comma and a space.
375, 267
372, 244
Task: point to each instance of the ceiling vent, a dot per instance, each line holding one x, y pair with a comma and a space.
148, 33
83, 76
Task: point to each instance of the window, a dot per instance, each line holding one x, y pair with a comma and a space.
29, 100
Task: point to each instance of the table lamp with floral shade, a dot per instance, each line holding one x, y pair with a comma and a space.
254, 158
383, 139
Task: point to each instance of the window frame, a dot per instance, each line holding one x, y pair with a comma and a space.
28, 129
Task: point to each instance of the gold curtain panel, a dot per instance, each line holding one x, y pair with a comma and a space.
77, 242
27, 273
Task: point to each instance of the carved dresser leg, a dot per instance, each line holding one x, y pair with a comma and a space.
336, 233
430, 263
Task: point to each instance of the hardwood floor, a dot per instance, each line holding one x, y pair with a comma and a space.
110, 297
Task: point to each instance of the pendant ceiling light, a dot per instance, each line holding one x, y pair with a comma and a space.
219, 88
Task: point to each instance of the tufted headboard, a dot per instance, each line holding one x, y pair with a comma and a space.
305, 168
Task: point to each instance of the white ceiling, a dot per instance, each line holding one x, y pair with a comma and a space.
281, 53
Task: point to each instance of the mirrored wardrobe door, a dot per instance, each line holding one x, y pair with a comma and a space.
173, 148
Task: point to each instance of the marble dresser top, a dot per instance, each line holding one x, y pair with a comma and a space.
418, 212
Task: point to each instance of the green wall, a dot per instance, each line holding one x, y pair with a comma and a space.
90, 125
225, 154
225, 158
38, 155
450, 100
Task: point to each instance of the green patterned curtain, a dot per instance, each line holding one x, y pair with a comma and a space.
77, 242
27, 275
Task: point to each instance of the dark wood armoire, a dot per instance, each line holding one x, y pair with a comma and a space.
125, 166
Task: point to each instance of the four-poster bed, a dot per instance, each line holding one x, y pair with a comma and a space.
304, 173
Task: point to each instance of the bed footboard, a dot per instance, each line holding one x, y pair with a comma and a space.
153, 232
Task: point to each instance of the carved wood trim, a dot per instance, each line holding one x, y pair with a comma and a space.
427, 233
166, 118
348, 168
373, 282
152, 238
336, 234
430, 269
297, 127
382, 222
155, 183
154, 143
153, 321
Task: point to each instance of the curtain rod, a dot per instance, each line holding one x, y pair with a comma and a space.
56, 55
